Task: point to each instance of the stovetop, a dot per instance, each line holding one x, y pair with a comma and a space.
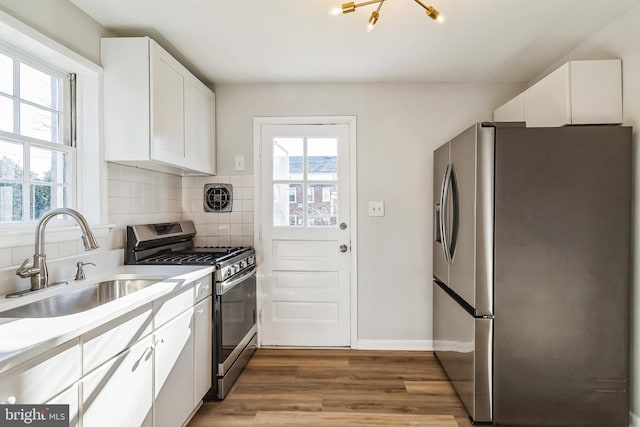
194, 256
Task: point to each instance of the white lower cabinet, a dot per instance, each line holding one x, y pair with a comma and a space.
119, 393
69, 397
203, 348
173, 375
38, 380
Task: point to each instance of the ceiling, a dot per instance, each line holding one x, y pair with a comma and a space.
272, 41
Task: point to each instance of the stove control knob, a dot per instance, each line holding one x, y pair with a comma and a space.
251, 260
243, 264
227, 272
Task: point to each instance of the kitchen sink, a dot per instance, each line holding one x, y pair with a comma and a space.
83, 299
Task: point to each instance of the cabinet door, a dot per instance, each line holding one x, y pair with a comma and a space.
173, 386
39, 379
547, 103
119, 393
203, 348
169, 83
202, 130
69, 397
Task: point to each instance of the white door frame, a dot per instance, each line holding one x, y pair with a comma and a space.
258, 122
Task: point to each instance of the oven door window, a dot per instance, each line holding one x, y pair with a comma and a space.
236, 317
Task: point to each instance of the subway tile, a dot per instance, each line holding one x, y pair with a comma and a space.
235, 240
114, 205
125, 189
6, 259
211, 217
66, 249
224, 241
224, 218
235, 217
247, 218
224, 229
200, 241
113, 171
214, 241
235, 229
247, 241
126, 173
247, 205
247, 193
236, 181
113, 187
247, 180
20, 253
137, 190
211, 230
247, 229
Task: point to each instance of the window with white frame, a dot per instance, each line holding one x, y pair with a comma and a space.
37, 155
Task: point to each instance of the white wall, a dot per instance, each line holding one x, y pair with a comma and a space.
61, 21
398, 126
621, 39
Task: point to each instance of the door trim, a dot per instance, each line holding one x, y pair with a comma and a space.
258, 122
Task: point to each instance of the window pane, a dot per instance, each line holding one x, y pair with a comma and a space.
6, 114
323, 213
49, 165
6, 74
10, 201
322, 159
11, 160
288, 205
38, 87
38, 123
46, 197
287, 158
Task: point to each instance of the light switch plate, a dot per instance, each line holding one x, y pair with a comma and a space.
239, 163
376, 208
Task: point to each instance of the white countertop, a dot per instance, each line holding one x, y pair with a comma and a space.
24, 338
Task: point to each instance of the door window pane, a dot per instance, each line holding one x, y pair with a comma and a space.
6, 74
322, 159
288, 205
38, 87
49, 165
6, 114
11, 160
38, 123
323, 213
287, 159
10, 201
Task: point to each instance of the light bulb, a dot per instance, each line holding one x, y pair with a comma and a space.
372, 20
441, 19
433, 13
335, 11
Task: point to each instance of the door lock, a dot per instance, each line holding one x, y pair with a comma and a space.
344, 248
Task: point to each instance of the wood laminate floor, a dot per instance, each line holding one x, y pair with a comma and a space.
338, 388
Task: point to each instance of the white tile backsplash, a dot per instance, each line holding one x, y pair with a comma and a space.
139, 196
220, 229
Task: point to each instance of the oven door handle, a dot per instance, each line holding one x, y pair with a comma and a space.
224, 287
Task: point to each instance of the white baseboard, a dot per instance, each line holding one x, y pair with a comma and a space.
422, 345
635, 420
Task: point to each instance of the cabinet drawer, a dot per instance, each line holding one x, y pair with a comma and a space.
166, 309
203, 287
101, 345
39, 379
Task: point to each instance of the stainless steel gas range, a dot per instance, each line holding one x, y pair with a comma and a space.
234, 302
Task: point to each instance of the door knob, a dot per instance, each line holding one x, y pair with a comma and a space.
343, 226
344, 248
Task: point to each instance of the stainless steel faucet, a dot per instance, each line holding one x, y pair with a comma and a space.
38, 271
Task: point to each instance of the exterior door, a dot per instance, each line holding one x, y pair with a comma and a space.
306, 232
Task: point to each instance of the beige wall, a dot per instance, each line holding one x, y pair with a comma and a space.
620, 39
398, 126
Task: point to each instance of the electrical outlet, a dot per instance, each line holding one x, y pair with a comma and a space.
376, 208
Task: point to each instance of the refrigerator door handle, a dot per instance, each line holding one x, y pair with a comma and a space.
453, 242
444, 213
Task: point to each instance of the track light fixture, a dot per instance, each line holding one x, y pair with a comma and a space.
349, 7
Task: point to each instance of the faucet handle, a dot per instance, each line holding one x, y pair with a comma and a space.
80, 272
24, 271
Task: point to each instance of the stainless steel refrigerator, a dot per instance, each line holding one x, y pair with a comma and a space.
532, 270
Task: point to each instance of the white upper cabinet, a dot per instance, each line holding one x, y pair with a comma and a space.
157, 115
579, 92
202, 128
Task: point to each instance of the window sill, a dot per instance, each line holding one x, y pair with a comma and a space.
24, 236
